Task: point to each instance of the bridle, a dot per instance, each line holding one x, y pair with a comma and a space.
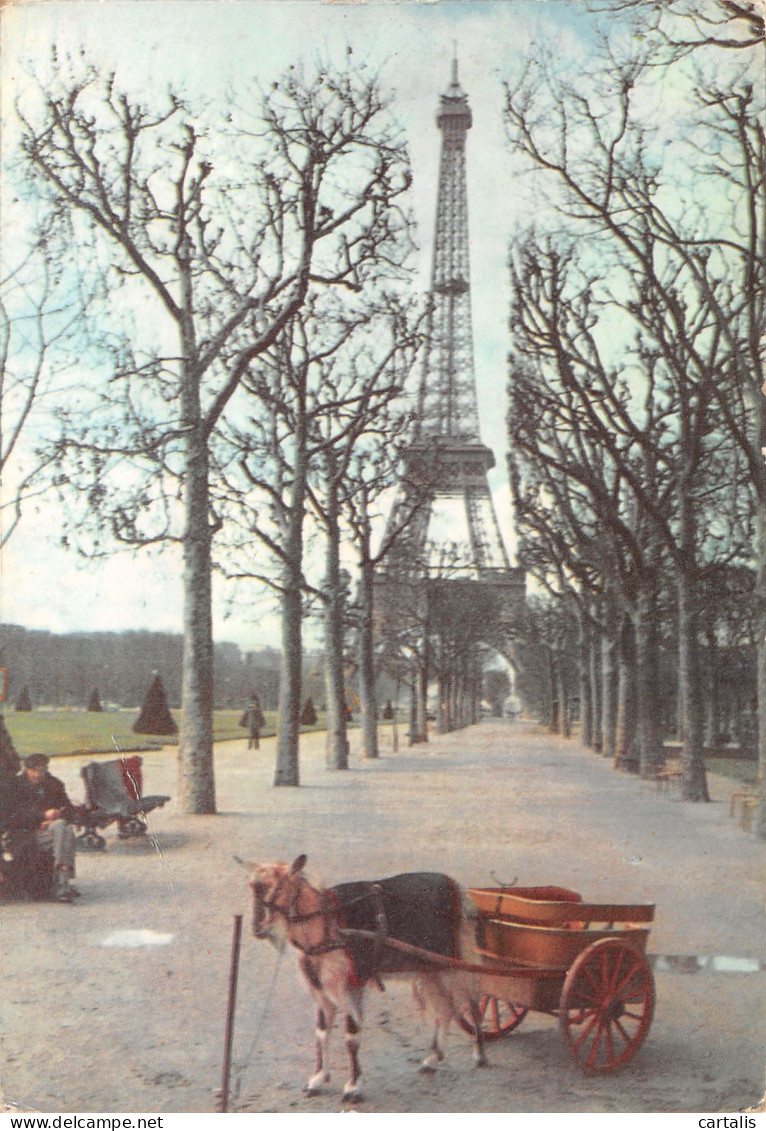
292, 917
327, 910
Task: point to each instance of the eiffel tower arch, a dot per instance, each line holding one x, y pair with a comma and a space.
449, 569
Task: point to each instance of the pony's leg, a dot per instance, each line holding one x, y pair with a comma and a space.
435, 1049
351, 1092
479, 1057
430, 994
325, 1017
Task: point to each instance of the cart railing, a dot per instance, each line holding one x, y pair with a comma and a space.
556, 907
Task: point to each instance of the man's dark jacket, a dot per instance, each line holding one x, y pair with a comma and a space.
50, 793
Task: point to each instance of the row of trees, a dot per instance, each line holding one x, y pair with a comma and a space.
62, 669
243, 336
562, 682
636, 420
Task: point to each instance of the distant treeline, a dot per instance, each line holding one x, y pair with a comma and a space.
62, 670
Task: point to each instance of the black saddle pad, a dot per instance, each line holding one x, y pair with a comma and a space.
422, 909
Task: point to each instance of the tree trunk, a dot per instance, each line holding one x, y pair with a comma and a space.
610, 692
421, 703
337, 739
712, 725
422, 675
627, 710
366, 659
596, 688
443, 709
584, 669
554, 724
760, 817
564, 718
759, 823
458, 698
196, 778
470, 690
647, 662
414, 696
286, 771
693, 776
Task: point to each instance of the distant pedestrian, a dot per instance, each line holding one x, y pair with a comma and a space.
254, 721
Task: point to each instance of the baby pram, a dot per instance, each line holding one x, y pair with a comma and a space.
113, 794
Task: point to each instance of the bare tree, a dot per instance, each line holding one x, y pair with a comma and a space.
731, 115
212, 261
685, 307
372, 473
325, 386
39, 315
685, 25
363, 389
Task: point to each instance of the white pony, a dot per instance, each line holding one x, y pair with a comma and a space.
353, 933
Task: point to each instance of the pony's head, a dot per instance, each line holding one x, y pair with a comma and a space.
275, 889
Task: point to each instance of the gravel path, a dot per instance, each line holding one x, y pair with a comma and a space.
117, 1003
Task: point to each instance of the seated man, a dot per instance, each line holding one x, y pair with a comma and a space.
26, 869
42, 803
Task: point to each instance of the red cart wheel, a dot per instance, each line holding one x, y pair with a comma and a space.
497, 1018
606, 1005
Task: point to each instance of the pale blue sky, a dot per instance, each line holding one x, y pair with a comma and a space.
205, 46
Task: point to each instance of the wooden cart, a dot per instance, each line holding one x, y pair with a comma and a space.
545, 949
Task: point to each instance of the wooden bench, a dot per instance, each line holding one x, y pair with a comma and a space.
748, 797
669, 772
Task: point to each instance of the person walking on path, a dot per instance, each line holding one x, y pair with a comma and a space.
254, 721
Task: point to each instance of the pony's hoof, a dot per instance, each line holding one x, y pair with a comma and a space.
314, 1086
352, 1097
427, 1069
482, 1064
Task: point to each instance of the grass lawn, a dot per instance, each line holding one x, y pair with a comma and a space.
740, 769
61, 731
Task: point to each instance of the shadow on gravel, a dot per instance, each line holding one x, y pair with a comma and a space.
140, 846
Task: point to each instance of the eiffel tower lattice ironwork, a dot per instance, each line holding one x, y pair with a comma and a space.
456, 533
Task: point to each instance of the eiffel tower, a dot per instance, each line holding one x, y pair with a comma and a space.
451, 554
456, 534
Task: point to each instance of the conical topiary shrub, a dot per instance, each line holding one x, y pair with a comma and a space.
94, 702
24, 701
155, 716
308, 714
388, 711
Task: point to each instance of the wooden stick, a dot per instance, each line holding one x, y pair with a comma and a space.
224, 1100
